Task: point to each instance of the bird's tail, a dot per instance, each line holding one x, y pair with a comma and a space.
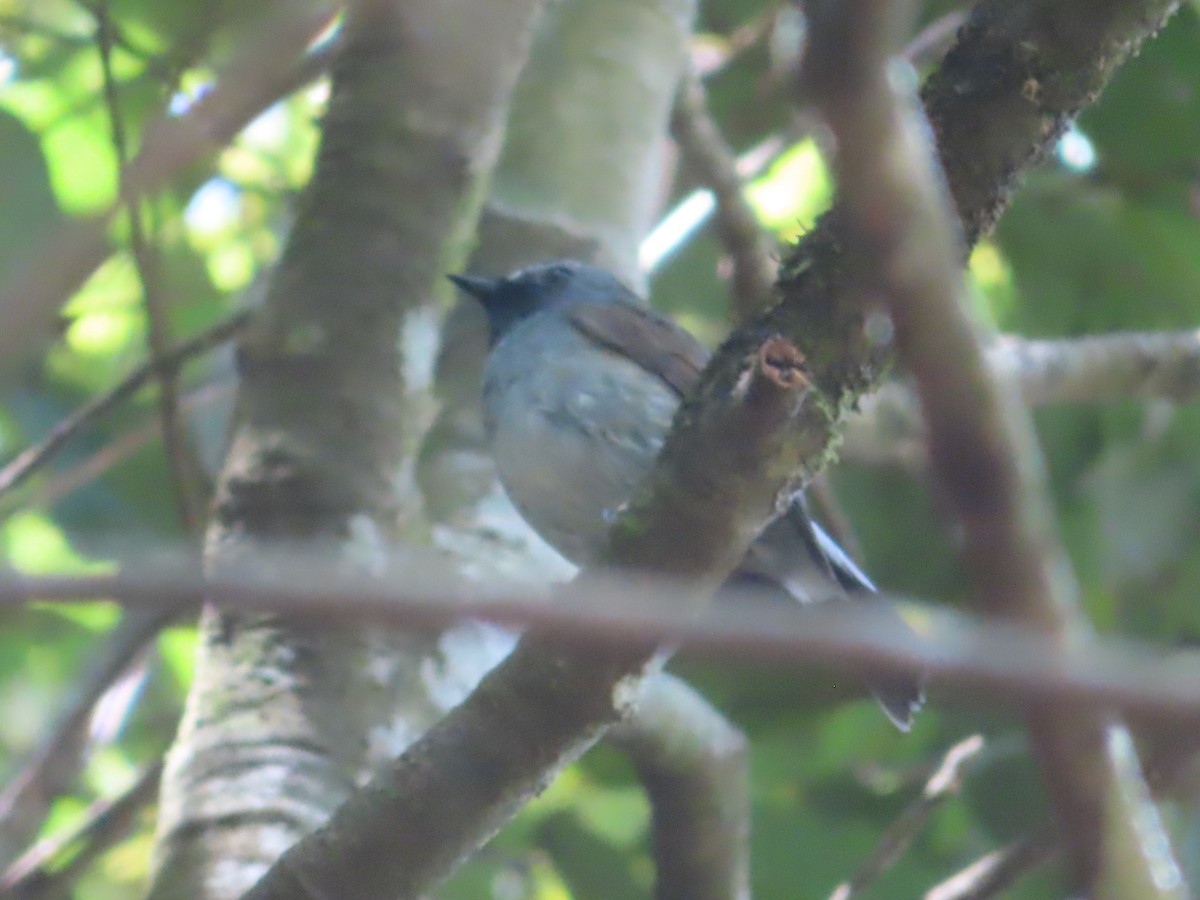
796, 554
901, 698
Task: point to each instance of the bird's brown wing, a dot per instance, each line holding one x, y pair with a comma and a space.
656, 344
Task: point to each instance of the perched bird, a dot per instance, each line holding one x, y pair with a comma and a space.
580, 387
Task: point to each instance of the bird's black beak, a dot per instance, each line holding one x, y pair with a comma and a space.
479, 288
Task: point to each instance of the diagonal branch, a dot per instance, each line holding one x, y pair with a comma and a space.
564, 697
28, 461
703, 503
105, 823
998, 870
56, 763
745, 239
945, 783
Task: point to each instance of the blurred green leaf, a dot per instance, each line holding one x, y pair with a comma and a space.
1114, 246
33, 543
177, 647
795, 190
1088, 258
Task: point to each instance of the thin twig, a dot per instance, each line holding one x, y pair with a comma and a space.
945, 783
58, 759
22, 26
116, 450
998, 870
967, 657
180, 460
685, 219
34, 874
742, 39
32, 458
744, 238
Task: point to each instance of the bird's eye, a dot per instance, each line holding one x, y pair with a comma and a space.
559, 272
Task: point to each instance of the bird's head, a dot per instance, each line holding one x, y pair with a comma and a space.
527, 291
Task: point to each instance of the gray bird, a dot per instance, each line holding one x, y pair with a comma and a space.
580, 386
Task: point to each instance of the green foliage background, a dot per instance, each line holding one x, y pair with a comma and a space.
1089, 249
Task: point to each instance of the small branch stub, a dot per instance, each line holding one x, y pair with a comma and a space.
779, 369
780, 359
766, 396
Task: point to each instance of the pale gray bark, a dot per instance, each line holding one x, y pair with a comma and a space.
888, 429
285, 718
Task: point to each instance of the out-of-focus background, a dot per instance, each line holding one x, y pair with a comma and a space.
1104, 237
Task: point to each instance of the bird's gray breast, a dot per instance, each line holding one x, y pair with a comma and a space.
573, 428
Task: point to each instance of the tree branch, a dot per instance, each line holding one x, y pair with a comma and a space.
57, 761
1101, 368
28, 461
623, 85
693, 765
1093, 369
749, 245
469, 774
969, 658
981, 441
722, 171
103, 824
999, 870
585, 693
269, 745
1029, 68
272, 62
120, 447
